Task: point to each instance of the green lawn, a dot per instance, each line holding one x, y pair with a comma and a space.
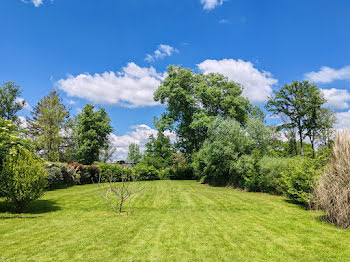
170, 221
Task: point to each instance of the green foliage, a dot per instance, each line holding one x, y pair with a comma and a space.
299, 179
9, 102
91, 134
261, 134
10, 137
222, 158
48, 126
134, 155
270, 174
194, 100
298, 104
146, 172
105, 171
23, 178
159, 152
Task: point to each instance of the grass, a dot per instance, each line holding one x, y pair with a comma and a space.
170, 221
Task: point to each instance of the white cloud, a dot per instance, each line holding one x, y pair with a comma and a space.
161, 52
328, 75
211, 4
139, 136
337, 98
36, 3
257, 85
132, 87
343, 120
26, 105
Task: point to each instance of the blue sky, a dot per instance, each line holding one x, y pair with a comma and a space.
114, 53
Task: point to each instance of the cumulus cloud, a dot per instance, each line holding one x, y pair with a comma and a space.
132, 87
257, 85
139, 136
161, 52
343, 120
211, 4
337, 98
328, 75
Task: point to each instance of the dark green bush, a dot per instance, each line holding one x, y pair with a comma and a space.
23, 178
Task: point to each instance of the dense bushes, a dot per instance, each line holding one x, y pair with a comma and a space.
333, 188
294, 177
22, 178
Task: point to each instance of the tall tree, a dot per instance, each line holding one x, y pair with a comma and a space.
47, 126
295, 102
194, 100
134, 155
10, 103
91, 134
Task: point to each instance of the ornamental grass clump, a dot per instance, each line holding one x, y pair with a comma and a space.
23, 178
333, 189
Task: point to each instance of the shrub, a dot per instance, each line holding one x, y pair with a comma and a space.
55, 177
299, 179
146, 172
23, 178
332, 192
105, 171
270, 174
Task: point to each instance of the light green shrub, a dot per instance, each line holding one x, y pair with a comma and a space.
299, 179
23, 178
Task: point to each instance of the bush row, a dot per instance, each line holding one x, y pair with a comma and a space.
61, 174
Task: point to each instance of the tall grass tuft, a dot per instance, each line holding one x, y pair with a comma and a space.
333, 188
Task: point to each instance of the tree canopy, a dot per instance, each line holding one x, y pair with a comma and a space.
194, 100
91, 134
10, 103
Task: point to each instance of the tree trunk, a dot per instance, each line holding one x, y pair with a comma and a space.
301, 142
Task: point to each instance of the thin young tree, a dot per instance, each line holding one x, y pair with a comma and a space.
119, 188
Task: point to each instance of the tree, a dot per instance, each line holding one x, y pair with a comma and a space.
47, 126
23, 178
115, 193
134, 155
224, 158
194, 100
10, 103
319, 126
159, 152
261, 134
91, 134
295, 102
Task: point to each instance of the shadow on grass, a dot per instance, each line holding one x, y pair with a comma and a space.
35, 207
